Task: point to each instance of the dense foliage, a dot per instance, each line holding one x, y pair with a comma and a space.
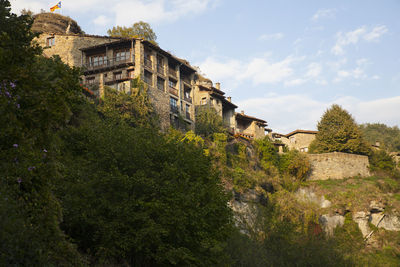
85, 182
208, 121
139, 29
338, 132
388, 137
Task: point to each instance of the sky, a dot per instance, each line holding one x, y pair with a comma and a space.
282, 61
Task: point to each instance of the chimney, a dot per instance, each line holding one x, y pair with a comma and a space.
229, 98
218, 86
242, 112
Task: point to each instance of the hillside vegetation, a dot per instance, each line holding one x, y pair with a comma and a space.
89, 182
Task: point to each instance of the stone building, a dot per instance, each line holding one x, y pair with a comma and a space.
205, 94
249, 127
175, 87
169, 79
298, 139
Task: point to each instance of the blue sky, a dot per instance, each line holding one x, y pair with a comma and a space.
283, 61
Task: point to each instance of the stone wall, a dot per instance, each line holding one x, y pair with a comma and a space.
160, 102
67, 46
337, 165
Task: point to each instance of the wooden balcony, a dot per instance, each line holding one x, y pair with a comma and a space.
160, 70
173, 91
172, 73
148, 63
109, 63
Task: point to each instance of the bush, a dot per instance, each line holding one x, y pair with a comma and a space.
295, 164
381, 160
208, 121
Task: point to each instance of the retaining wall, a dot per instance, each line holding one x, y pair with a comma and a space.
337, 165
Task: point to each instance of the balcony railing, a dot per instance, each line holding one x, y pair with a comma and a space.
188, 99
173, 91
148, 63
174, 109
160, 69
148, 80
108, 63
172, 72
185, 79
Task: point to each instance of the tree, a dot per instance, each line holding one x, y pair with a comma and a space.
37, 97
132, 195
208, 121
389, 137
337, 131
139, 29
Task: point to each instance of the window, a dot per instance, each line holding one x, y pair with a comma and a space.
172, 83
90, 80
148, 78
131, 73
173, 104
117, 75
121, 87
203, 101
50, 41
97, 60
187, 108
160, 83
122, 55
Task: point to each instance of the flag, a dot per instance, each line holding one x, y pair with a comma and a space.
55, 7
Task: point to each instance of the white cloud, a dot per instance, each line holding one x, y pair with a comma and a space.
35, 6
260, 70
356, 73
314, 69
285, 113
123, 12
353, 37
295, 82
375, 77
324, 13
159, 10
273, 36
101, 20
376, 33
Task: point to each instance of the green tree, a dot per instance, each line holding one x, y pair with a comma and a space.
139, 29
133, 107
37, 97
389, 137
337, 131
133, 195
208, 121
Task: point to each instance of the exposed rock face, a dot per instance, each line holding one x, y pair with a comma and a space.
55, 23
329, 223
245, 209
362, 218
308, 195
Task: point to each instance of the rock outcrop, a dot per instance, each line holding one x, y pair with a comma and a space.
55, 23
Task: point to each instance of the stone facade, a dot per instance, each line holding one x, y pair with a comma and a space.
298, 139
337, 165
168, 80
68, 46
249, 127
175, 87
206, 94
